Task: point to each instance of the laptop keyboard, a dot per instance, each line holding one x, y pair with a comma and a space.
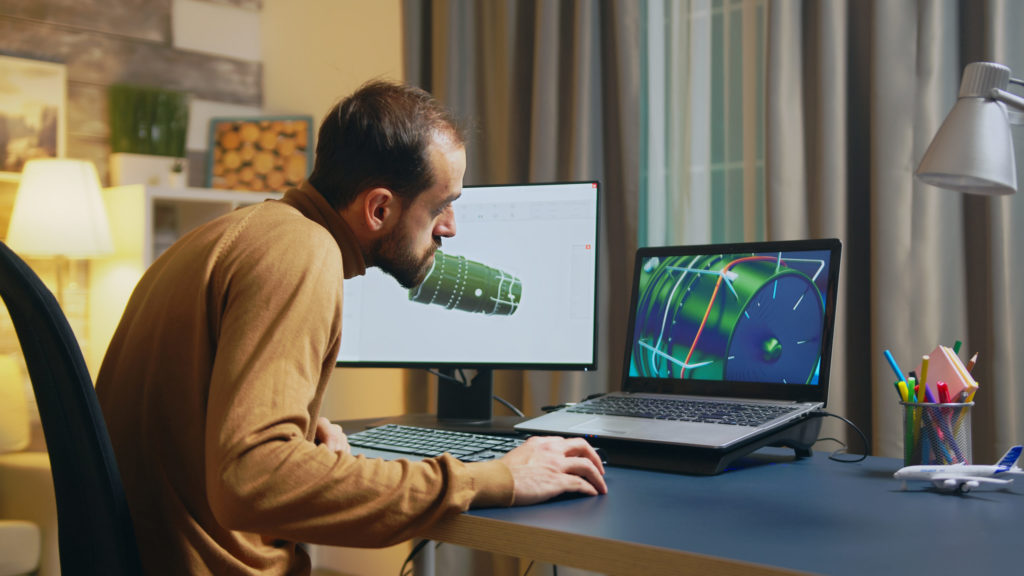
683, 410
429, 442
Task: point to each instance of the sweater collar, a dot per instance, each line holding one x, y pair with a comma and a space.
314, 206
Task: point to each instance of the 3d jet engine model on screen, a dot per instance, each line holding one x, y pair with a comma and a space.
737, 317
456, 282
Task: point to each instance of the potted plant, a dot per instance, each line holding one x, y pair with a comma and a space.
148, 127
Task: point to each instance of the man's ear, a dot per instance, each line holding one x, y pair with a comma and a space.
379, 208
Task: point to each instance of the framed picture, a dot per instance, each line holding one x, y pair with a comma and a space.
33, 103
261, 154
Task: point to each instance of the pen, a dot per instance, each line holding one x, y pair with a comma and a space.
943, 389
924, 374
893, 364
902, 387
956, 347
911, 389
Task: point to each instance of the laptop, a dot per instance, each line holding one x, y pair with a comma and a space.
727, 343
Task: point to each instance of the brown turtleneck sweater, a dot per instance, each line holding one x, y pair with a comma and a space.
211, 389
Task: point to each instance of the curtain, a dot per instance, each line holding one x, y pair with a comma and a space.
550, 88
856, 92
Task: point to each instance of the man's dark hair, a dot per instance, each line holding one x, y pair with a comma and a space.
379, 137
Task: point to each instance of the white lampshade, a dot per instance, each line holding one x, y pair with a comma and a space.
59, 211
973, 149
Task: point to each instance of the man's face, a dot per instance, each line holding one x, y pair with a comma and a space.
407, 253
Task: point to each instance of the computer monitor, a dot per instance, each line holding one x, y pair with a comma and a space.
515, 288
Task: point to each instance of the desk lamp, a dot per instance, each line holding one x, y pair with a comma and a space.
973, 150
59, 212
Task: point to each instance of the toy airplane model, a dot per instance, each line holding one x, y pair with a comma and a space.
963, 477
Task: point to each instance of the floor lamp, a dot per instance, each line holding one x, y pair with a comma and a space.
59, 213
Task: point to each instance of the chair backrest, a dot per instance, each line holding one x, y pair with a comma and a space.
96, 535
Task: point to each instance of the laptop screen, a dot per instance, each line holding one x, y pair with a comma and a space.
751, 320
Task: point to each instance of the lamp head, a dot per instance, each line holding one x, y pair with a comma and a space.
973, 150
59, 211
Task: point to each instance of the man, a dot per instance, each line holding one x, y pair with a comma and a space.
213, 382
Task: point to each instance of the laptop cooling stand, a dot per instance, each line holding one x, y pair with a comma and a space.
800, 436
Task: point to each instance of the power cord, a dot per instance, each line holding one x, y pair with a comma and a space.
406, 568
509, 405
843, 447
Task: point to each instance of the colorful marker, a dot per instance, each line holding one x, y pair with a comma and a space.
893, 364
924, 373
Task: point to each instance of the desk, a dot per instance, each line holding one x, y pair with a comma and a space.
773, 516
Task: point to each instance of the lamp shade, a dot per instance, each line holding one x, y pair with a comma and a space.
973, 149
59, 211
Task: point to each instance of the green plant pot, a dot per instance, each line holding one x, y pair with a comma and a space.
145, 120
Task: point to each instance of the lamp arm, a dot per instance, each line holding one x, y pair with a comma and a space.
1007, 98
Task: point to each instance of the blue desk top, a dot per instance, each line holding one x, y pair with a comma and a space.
813, 515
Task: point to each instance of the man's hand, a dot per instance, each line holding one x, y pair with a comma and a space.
331, 435
544, 467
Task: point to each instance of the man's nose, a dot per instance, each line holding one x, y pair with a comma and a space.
446, 226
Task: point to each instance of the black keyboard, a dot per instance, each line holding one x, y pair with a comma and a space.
736, 413
429, 442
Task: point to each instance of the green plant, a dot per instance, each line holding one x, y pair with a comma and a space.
146, 120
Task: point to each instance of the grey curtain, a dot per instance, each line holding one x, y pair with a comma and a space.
856, 92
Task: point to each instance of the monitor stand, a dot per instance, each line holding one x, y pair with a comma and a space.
460, 407
800, 436
470, 407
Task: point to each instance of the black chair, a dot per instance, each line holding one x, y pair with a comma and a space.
95, 529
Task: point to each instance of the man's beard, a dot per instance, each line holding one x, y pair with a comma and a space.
395, 258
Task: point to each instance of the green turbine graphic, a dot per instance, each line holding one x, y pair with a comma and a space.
458, 283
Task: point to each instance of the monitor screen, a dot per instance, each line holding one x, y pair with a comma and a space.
514, 288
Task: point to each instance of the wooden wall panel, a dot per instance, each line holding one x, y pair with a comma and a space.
97, 58
142, 19
103, 42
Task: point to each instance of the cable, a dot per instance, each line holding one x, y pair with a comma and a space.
509, 405
842, 450
462, 381
448, 377
412, 555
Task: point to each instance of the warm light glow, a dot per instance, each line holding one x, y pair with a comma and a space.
59, 211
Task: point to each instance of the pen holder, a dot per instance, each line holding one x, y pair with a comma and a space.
936, 433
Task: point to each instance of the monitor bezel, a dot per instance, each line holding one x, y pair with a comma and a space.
471, 365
